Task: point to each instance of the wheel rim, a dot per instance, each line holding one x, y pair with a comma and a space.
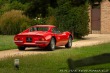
70, 42
52, 44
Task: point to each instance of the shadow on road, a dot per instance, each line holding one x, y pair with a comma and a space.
43, 49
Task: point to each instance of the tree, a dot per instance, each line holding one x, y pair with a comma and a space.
78, 2
40, 7
7, 5
37, 7
72, 18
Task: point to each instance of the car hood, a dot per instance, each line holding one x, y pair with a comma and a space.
34, 33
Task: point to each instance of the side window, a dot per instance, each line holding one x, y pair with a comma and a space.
55, 30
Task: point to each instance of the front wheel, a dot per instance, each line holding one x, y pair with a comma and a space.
51, 45
69, 44
21, 48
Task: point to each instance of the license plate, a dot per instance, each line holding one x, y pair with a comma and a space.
28, 39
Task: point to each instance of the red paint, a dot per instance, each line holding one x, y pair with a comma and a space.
37, 38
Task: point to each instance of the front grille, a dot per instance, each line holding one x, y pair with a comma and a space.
28, 39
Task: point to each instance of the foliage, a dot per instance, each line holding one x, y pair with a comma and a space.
78, 2
4, 8
21, 1
17, 5
72, 18
8, 5
37, 20
66, 14
51, 20
40, 7
37, 7
13, 22
79, 21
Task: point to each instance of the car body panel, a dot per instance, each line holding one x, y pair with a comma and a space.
35, 38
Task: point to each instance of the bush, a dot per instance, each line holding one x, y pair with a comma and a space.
17, 5
38, 20
24, 26
50, 20
0, 31
13, 22
78, 19
72, 18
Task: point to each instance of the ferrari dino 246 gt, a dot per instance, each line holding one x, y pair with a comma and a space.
43, 36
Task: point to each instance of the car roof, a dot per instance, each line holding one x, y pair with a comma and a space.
45, 25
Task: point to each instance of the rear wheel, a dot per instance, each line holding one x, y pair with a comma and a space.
51, 45
21, 48
69, 44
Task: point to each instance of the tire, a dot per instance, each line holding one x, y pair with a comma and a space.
69, 44
51, 46
21, 48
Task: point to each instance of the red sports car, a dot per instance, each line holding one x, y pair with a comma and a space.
44, 36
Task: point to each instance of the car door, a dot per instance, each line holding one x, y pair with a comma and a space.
59, 36
64, 38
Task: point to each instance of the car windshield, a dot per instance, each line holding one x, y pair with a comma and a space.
38, 29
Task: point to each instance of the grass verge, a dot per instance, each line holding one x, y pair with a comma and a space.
6, 42
63, 61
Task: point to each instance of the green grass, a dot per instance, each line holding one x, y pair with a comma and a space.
6, 42
89, 58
